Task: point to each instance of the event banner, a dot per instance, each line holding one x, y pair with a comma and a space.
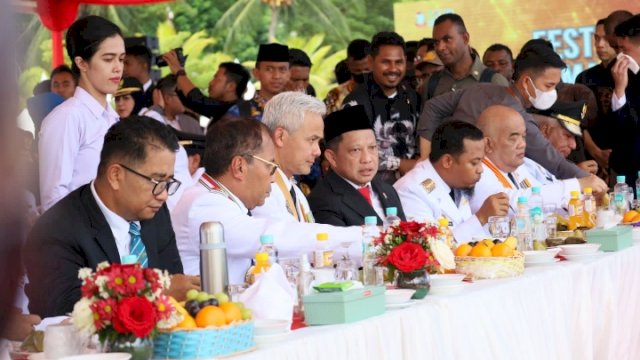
569, 25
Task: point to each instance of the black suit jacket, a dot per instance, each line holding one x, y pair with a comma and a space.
334, 201
74, 234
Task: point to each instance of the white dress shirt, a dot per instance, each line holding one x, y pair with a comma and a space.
242, 232
425, 197
527, 175
275, 207
71, 138
119, 226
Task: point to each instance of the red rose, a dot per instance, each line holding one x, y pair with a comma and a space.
408, 257
135, 315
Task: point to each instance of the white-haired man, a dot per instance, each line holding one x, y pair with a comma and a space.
296, 125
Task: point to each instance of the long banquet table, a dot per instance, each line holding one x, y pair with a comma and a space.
567, 310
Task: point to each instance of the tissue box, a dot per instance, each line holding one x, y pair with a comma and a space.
343, 306
612, 239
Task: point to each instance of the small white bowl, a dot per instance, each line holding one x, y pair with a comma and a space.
536, 256
439, 280
108, 356
579, 249
398, 296
271, 327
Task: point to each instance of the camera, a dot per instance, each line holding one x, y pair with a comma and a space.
181, 58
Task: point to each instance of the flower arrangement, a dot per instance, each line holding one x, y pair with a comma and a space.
410, 246
123, 302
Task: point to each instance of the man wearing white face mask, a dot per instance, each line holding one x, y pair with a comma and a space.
536, 74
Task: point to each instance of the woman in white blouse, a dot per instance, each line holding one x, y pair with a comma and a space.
72, 135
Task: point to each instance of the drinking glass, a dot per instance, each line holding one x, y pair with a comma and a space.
62, 340
346, 270
550, 224
381, 273
549, 210
291, 268
499, 226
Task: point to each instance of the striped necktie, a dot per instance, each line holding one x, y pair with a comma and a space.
136, 246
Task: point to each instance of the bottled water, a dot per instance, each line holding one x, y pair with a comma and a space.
392, 217
536, 204
522, 225
370, 231
620, 191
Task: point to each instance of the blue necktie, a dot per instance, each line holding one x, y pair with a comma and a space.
136, 246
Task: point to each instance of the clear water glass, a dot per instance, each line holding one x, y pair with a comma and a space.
499, 226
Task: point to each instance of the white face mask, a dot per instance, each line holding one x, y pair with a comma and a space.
543, 99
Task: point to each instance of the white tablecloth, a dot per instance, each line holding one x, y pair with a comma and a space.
568, 310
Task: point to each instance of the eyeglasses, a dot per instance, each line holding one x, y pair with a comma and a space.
171, 185
274, 165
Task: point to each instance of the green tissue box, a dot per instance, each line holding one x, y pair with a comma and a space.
612, 239
343, 307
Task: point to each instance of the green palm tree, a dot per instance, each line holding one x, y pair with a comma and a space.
244, 15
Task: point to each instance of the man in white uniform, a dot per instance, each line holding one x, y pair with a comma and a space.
239, 169
441, 186
507, 170
296, 125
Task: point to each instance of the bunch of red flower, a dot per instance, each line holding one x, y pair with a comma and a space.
124, 300
405, 247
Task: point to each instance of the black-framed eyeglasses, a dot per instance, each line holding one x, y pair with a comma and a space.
171, 185
274, 165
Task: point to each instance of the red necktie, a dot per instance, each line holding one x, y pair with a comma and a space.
366, 193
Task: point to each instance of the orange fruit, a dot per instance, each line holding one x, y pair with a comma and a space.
636, 218
502, 250
488, 242
480, 250
463, 250
232, 312
187, 323
629, 216
210, 316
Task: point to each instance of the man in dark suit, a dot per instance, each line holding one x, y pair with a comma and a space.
122, 212
351, 191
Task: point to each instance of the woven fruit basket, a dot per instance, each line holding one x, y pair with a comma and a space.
490, 267
204, 343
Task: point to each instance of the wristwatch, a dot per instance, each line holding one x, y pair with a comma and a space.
181, 72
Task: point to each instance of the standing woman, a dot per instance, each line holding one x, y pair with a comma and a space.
72, 135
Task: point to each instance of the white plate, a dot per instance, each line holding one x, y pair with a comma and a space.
109, 356
540, 263
584, 257
579, 249
540, 255
445, 279
270, 339
446, 289
398, 296
271, 327
400, 305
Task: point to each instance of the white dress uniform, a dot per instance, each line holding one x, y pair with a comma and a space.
202, 202
70, 141
527, 175
425, 197
280, 205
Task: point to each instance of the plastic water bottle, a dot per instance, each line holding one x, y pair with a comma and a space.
267, 246
392, 217
620, 191
445, 234
370, 231
522, 225
536, 204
